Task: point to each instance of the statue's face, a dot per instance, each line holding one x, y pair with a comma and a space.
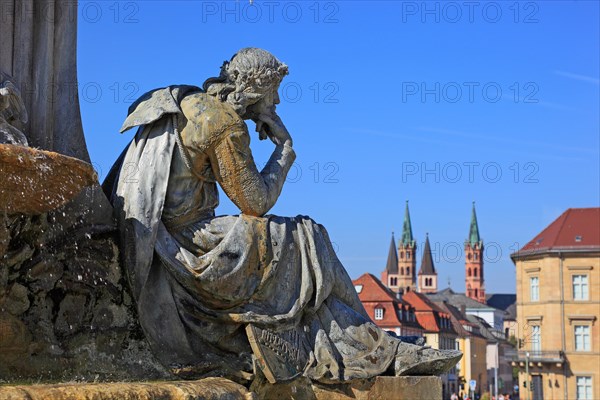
264, 104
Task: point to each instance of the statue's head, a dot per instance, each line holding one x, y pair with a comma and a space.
251, 75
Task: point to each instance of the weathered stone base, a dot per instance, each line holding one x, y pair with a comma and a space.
380, 388
205, 389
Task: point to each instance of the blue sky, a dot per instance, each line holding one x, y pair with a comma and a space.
438, 103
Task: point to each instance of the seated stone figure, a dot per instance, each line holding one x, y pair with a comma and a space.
243, 294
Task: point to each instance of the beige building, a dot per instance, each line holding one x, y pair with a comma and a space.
558, 306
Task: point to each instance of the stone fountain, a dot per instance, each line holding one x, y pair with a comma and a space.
68, 319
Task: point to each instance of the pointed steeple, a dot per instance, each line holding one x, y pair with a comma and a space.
474, 229
392, 261
427, 267
407, 235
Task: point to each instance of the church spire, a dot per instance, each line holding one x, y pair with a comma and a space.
427, 275
475, 287
427, 267
392, 261
407, 235
474, 229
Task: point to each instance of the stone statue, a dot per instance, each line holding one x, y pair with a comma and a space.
12, 112
238, 295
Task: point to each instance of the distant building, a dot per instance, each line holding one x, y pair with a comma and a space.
499, 356
474, 262
438, 331
473, 345
427, 277
506, 302
492, 315
497, 352
480, 323
385, 308
400, 273
558, 282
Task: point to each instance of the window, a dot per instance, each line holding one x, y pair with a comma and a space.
401, 254
379, 313
401, 271
476, 256
534, 288
407, 255
475, 272
582, 338
536, 338
469, 272
407, 270
584, 388
393, 281
358, 288
580, 287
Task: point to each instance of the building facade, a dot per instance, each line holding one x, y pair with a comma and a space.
558, 308
438, 330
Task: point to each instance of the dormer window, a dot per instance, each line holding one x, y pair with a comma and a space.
358, 288
379, 313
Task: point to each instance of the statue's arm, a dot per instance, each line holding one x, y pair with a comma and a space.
254, 193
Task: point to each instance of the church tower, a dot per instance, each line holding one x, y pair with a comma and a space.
427, 274
389, 276
407, 263
475, 287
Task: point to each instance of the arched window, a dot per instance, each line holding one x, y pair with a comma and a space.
407, 289
475, 272
407, 270
469, 256
401, 254
476, 293
401, 271
408, 255
469, 272
476, 256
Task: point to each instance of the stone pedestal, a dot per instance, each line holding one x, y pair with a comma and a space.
206, 389
379, 388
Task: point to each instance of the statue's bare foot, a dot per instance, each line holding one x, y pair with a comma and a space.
419, 360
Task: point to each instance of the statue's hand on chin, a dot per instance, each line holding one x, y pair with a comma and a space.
271, 125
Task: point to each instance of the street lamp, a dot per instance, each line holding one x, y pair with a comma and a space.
527, 376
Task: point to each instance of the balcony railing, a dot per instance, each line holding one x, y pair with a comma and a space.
540, 356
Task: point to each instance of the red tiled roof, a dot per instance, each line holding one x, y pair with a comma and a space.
575, 229
421, 303
425, 311
373, 289
375, 295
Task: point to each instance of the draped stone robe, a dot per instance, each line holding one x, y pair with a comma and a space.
198, 279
